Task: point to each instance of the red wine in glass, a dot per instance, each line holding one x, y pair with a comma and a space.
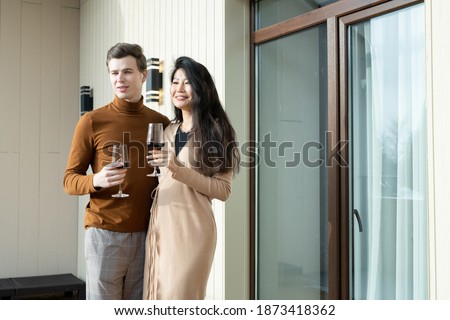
155, 146
126, 165
155, 141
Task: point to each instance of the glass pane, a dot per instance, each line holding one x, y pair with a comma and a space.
388, 156
292, 218
269, 12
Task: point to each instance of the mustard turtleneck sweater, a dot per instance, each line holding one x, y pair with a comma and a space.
95, 133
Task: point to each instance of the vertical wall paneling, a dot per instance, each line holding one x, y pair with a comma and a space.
141, 32
50, 78
218, 44
10, 31
438, 96
210, 33
170, 41
182, 28
95, 37
146, 26
37, 219
195, 30
100, 37
202, 25
175, 29
188, 35
67, 232
430, 146
160, 42
29, 138
109, 25
9, 214
49, 185
160, 29
49, 229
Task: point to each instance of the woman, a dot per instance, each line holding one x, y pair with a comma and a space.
197, 165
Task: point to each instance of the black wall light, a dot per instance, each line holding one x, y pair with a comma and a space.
86, 99
154, 83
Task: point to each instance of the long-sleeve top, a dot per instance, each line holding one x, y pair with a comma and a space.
117, 122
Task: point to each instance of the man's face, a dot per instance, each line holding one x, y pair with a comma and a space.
126, 78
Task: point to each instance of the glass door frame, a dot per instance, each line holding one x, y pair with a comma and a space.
337, 17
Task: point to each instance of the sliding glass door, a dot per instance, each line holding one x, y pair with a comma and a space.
388, 202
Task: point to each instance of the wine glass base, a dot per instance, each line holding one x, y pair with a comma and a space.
120, 195
156, 173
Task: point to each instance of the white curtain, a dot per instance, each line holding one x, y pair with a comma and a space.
390, 153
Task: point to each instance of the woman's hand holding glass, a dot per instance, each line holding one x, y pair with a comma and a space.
163, 158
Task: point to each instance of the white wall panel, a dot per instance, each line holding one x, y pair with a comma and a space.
439, 145
38, 222
69, 113
48, 223
30, 96
50, 78
9, 214
10, 27
195, 28
210, 35
67, 219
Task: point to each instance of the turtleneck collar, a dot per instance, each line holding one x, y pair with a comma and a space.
128, 107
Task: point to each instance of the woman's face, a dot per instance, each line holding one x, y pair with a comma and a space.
181, 91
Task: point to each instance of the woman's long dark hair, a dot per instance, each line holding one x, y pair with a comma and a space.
216, 149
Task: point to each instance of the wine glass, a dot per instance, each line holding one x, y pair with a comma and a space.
120, 153
155, 141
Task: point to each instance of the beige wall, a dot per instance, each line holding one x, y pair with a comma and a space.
438, 72
214, 33
39, 68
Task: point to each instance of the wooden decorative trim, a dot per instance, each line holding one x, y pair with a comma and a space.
378, 10
334, 261
311, 19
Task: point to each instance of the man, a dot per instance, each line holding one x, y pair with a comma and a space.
115, 227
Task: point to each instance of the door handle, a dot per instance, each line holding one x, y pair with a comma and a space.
358, 218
